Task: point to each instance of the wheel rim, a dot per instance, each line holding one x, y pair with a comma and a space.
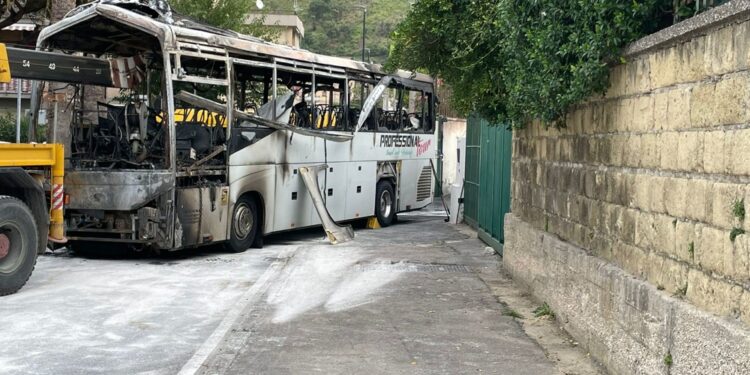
386, 203
243, 221
11, 248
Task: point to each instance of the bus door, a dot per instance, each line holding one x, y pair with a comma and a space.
202, 208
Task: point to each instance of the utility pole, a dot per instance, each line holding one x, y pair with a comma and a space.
19, 83
364, 39
364, 30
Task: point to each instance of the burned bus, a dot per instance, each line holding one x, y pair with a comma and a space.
210, 133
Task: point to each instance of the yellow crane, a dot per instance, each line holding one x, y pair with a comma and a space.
31, 202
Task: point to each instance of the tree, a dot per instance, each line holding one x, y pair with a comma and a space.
14, 10
518, 60
226, 14
334, 27
331, 26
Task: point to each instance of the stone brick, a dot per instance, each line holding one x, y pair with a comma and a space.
626, 121
738, 151
695, 208
714, 151
631, 258
685, 233
654, 268
645, 230
574, 121
690, 151
643, 113
713, 295
632, 152
612, 216
661, 105
712, 249
627, 225
737, 259
540, 148
658, 186
668, 144
618, 188
676, 196
745, 307
631, 77
592, 156
678, 108
618, 146
702, 105
667, 273
664, 234
691, 60
650, 150
725, 102
741, 45
664, 67
593, 118
719, 208
616, 82
642, 83
603, 150
720, 51
641, 198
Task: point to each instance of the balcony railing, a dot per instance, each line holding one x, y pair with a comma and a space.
10, 89
687, 8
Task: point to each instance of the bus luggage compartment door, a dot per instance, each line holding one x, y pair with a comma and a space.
416, 181
202, 216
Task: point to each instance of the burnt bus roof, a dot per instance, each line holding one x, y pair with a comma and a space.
76, 33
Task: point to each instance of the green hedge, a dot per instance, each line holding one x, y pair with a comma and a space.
518, 60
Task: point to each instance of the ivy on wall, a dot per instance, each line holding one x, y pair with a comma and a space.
519, 60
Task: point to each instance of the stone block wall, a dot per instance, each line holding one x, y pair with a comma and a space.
648, 179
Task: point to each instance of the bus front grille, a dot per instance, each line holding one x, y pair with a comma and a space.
424, 184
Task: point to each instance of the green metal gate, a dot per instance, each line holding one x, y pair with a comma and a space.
487, 179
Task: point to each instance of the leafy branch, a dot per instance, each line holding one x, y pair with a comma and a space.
515, 61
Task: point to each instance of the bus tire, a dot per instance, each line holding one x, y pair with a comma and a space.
18, 244
244, 225
385, 203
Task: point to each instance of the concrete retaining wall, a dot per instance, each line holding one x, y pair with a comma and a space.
626, 323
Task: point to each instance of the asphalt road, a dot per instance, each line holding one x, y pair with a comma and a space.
409, 299
404, 299
121, 316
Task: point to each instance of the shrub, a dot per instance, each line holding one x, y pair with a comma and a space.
519, 60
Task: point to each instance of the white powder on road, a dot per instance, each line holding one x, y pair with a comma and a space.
325, 276
120, 316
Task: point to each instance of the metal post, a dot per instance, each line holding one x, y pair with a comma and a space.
18, 111
364, 38
275, 78
364, 31
54, 123
312, 100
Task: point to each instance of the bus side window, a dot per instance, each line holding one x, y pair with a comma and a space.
390, 109
428, 108
358, 92
415, 110
329, 110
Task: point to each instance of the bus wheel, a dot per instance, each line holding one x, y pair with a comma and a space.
385, 203
244, 225
18, 244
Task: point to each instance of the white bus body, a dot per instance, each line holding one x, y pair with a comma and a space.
226, 172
